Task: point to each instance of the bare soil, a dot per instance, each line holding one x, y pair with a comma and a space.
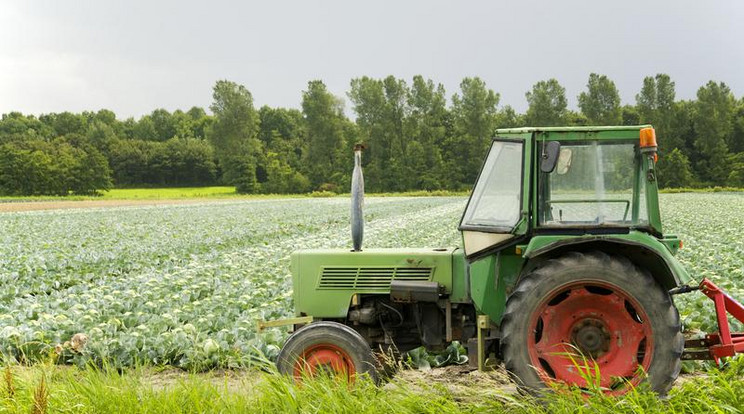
232, 380
56, 205
463, 383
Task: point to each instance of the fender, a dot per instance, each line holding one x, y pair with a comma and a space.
644, 250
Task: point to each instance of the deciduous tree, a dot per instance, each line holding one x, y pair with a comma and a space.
601, 102
234, 135
713, 129
324, 118
547, 104
475, 114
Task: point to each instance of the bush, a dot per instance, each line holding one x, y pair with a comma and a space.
674, 170
320, 194
38, 167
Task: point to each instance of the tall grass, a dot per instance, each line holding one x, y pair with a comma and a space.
51, 388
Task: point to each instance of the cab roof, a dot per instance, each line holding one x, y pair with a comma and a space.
572, 129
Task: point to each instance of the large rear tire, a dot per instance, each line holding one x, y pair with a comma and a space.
591, 310
328, 347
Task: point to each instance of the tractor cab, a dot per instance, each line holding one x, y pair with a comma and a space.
571, 181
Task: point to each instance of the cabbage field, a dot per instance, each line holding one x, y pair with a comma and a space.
184, 284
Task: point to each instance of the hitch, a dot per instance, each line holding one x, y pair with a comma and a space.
724, 343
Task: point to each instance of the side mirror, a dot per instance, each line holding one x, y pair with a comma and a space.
550, 153
564, 160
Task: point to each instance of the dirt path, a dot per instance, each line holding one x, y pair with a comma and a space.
462, 382
55, 205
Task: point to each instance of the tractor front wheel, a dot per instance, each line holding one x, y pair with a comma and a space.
327, 347
589, 319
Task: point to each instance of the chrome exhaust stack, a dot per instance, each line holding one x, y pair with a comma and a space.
357, 199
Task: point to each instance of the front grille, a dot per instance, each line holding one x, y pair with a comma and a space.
369, 278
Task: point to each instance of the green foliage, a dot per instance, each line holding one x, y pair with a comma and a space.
15, 126
37, 167
415, 140
282, 179
404, 129
155, 284
426, 125
234, 135
674, 170
655, 105
601, 102
509, 118
179, 284
89, 173
186, 161
474, 114
630, 115
180, 162
175, 193
101, 136
713, 127
736, 176
379, 108
163, 124
454, 354
709, 223
324, 120
65, 123
547, 104
143, 390
656, 96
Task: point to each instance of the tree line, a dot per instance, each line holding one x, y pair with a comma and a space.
417, 138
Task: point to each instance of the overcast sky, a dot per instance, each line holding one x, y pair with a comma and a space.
136, 56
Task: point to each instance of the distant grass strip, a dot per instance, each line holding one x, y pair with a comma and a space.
175, 193
703, 190
51, 388
223, 192
228, 192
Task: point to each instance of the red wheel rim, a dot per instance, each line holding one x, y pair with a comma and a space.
589, 325
324, 357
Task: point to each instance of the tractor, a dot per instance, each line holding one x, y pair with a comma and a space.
564, 267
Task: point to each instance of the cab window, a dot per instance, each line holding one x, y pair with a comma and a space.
495, 203
592, 184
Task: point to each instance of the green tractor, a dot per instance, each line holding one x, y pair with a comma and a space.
564, 267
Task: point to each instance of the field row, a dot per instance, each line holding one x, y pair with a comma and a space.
185, 284
181, 285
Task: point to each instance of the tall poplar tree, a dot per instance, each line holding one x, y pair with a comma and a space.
475, 115
713, 129
234, 135
547, 104
601, 102
324, 125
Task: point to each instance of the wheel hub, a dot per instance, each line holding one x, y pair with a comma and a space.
590, 326
324, 358
591, 337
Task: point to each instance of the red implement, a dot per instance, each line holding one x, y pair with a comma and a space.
724, 343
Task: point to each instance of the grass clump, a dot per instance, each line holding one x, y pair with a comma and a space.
48, 388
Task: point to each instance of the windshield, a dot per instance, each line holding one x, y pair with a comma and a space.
496, 201
592, 184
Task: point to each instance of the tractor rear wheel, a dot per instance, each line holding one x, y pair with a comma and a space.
328, 347
584, 313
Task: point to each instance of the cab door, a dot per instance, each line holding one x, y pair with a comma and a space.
498, 209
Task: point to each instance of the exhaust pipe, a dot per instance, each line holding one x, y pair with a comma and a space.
357, 199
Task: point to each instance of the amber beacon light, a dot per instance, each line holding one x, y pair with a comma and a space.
648, 142
648, 138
